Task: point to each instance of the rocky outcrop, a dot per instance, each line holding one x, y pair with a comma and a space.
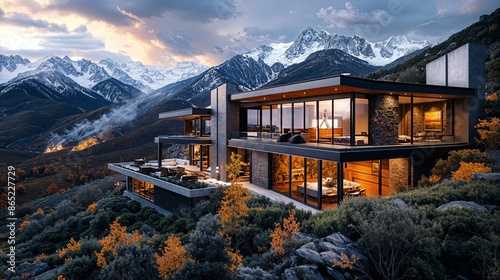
332, 257
485, 176
463, 204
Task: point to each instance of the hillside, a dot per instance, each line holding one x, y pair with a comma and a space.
70, 233
486, 31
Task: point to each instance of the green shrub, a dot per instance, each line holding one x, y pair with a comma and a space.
400, 244
80, 268
131, 263
127, 219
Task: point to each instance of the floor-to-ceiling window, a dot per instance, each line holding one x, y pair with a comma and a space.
276, 118
143, 189
298, 117
342, 121
361, 121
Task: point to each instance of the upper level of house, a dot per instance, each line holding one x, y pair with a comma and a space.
344, 110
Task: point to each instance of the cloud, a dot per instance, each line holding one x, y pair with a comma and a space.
69, 42
25, 20
129, 12
178, 42
351, 16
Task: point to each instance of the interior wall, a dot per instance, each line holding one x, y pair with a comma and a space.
365, 173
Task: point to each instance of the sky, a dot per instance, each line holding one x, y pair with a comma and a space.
164, 32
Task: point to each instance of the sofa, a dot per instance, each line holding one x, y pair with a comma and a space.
312, 188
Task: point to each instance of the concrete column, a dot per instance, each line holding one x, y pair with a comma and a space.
224, 122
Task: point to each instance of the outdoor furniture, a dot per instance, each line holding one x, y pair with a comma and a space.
187, 178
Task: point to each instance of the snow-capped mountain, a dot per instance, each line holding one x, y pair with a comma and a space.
310, 41
88, 74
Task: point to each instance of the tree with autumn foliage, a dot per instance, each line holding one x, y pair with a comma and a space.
173, 257
467, 169
489, 133
117, 236
52, 189
283, 234
233, 211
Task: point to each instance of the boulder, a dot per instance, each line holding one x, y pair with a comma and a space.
399, 202
463, 204
486, 176
303, 272
308, 256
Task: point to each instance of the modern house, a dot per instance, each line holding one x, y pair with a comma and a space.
326, 140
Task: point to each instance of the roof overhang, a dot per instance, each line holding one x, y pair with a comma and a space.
186, 114
346, 84
346, 153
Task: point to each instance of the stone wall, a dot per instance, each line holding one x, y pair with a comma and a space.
261, 165
398, 173
384, 110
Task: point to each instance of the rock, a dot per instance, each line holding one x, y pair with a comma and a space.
308, 237
32, 269
462, 204
327, 246
309, 256
303, 272
338, 239
486, 176
330, 258
491, 208
335, 273
399, 202
309, 245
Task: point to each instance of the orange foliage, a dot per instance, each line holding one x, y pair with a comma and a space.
40, 257
72, 246
233, 206
489, 133
467, 169
283, 233
236, 259
52, 189
173, 257
117, 236
24, 224
434, 178
345, 262
92, 207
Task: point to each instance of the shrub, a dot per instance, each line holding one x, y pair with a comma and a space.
467, 169
25, 210
79, 268
400, 244
201, 271
444, 168
489, 133
51, 189
206, 244
131, 263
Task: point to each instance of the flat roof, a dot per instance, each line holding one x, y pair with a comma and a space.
347, 84
186, 114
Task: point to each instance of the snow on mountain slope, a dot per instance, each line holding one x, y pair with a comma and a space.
310, 41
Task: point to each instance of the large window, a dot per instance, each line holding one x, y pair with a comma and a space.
144, 189
298, 117
361, 121
276, 118
342, 121
425, 120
